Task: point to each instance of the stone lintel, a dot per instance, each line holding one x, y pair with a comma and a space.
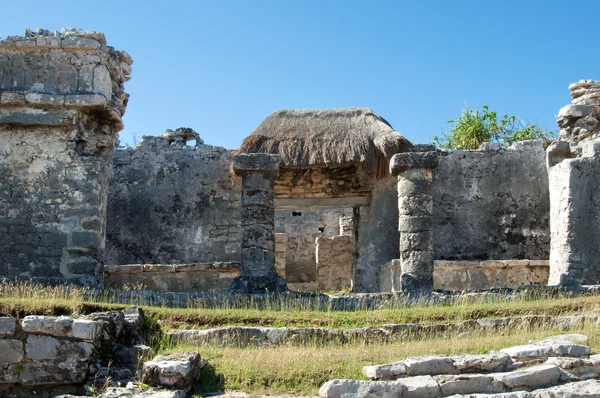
263, 163
413, 160
321, 203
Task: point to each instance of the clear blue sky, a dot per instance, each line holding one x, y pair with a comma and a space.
222, 66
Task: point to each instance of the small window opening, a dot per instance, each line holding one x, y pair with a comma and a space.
296, 214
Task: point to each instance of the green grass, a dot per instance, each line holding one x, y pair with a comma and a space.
302, 370
23, 299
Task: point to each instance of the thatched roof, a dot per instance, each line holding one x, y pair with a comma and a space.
327, 138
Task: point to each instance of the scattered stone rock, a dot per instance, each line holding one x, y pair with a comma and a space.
179, 370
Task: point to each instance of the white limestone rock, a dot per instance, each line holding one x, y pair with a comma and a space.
420, 387
339, 388
429, 365
388, 371
534, 377
178, 370
468, 384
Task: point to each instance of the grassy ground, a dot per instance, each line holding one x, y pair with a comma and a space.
302, 370
22, 300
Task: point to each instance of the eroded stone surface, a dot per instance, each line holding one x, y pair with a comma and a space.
179, 370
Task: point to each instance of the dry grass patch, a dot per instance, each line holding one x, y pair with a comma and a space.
302, 370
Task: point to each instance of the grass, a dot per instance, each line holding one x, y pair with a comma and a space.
294, 370
22, 299
302, 370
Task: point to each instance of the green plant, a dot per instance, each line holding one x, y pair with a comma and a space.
473, 127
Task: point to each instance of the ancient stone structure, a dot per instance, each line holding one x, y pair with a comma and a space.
280, 254
415, 218
173, 204
497, 200
573, 167
61, 103
334, 263
552, 367
258, 273
44, 355
174, 215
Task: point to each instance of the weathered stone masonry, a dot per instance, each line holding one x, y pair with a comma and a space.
61, 103
415, 219
258, 171
573, 168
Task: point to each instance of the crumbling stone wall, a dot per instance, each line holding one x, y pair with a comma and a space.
573, 166
61, 103
302, 227
173, 204
334, 262
40, 351
377, 234
492, 204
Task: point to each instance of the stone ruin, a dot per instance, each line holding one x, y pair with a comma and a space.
61, 103
366, 211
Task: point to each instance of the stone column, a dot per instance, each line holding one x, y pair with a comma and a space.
258, 172
415, 218
573, 162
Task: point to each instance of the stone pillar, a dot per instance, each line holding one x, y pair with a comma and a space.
573, 162
258, 275
415, 218
61, 102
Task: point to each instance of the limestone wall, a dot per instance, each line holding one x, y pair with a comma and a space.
492, 204
378, 236
334, 258
302, 227
200, 277
61, 102
40, 351
171, 204
573, 167
575, 199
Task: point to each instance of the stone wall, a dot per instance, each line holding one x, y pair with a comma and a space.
172, 277
334, 262
462, 276
575, 214
280, 254
42, 351
378, 235
61, 103
302, 227
573, 166
173, 204
492, 204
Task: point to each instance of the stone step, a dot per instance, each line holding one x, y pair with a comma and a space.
505, 384
581, 389
507, 359
251, 336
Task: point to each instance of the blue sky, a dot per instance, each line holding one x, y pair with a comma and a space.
221, 67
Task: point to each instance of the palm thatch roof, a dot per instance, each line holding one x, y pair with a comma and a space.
327, 137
